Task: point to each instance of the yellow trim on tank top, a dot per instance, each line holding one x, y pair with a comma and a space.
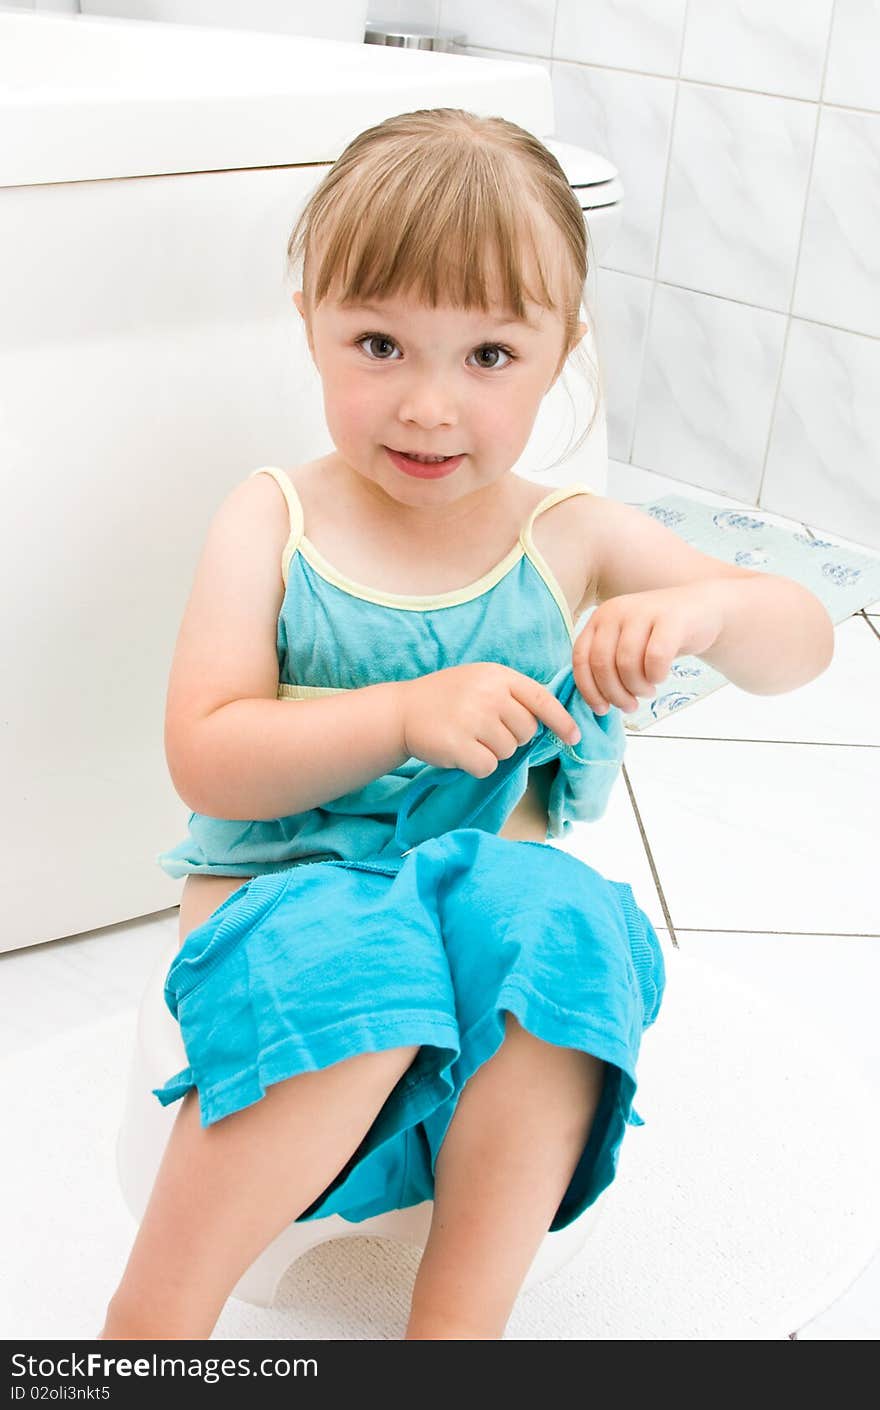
308, 692
407, 602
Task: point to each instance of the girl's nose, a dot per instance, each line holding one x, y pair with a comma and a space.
429, 404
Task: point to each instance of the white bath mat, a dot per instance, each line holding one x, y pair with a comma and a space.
744, 1207
844, 580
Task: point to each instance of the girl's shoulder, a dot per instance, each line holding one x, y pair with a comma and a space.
288, 498
286, 489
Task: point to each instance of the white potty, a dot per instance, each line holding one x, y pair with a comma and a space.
146, 1126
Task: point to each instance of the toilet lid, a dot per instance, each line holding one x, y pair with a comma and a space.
581, 166
604, 193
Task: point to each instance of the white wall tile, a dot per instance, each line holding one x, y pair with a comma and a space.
423, 13
626, 34
838, 279
621, 326
628, 119
706, 398
521, 26
738, 167
500, 54
631, 484
778, 48
738, 174
851, 76
343, 22
823, 462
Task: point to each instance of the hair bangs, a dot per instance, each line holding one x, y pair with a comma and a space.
456, 230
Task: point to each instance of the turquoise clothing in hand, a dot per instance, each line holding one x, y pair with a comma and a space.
334, 634
302, 969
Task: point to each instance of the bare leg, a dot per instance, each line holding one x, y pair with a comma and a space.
518, 1132
225, 1191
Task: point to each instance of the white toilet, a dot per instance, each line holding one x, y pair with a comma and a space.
599, 190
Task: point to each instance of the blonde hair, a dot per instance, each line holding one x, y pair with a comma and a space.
421, 203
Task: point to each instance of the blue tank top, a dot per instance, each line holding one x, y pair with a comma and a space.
334, 634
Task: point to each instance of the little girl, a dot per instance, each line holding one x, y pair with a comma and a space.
369, 1024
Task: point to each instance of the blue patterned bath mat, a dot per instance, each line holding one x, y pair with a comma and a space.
844, 579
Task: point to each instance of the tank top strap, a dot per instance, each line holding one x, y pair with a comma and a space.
554, 497
294, 509
532, 551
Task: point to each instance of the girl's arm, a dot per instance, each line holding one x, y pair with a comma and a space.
261, 759
765, 632
234, 750
776, 635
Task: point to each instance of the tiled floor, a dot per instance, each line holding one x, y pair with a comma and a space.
781, 790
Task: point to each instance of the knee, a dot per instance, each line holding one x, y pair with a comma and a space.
516, 1035
512, 1026
575, 1076
385, 1068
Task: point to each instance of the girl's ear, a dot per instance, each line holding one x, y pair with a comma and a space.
582, 328
300, 308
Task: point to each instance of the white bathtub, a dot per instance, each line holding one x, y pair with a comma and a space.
149, 359
85, 97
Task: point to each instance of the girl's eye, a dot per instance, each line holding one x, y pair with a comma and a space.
376, 338
495, 348
382, 338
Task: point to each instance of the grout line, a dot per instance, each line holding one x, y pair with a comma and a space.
869, 620
514, 55
828, 38
795, 934
647, 846
552, 30
789, 312
731, 299
745, 739
649, 316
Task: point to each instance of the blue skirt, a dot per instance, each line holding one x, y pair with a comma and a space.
305, 967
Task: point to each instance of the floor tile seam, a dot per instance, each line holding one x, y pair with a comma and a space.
745, 739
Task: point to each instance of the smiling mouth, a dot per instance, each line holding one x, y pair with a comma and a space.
424, 457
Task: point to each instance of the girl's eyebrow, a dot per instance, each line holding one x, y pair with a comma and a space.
384, 312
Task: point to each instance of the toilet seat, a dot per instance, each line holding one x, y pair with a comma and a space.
582, 167
597, 188
600, 193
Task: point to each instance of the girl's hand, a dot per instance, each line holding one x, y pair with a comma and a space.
629, 644
469, 717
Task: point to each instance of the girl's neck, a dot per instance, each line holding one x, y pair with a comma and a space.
458, 515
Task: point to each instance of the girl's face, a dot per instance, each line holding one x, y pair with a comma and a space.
434, 381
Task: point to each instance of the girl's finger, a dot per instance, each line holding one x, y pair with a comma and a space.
630, 658
660, 652
583, 675
603, 664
